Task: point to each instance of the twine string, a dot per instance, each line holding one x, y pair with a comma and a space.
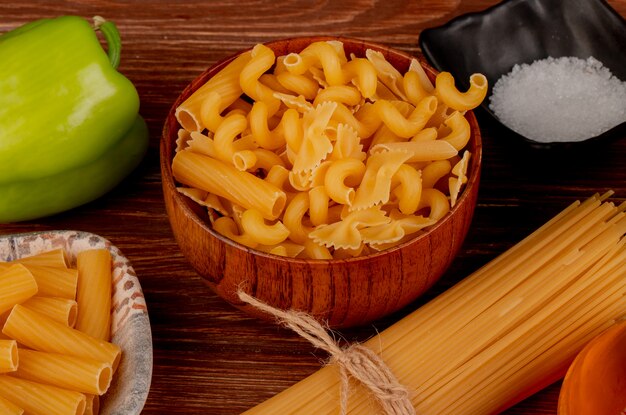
356, 361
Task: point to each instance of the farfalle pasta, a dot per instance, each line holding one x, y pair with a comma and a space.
324, 155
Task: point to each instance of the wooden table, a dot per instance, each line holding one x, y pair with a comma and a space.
209, 357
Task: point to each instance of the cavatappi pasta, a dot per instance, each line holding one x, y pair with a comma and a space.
46, 365
321, 155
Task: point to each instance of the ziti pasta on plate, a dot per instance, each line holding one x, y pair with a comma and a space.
64, 321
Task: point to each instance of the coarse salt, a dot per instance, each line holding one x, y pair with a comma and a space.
563, 99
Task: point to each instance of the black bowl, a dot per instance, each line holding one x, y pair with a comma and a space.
522, 31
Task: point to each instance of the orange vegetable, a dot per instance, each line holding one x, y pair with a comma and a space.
595, 382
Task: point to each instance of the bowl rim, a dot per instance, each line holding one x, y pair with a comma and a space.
168, 179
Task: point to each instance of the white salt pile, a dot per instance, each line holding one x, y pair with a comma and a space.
560, 100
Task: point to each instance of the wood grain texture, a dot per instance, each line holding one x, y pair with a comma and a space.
210, 357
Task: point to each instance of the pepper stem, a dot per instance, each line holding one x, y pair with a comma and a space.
112, 37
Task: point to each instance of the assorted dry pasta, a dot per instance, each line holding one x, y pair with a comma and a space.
322, 155
55, 351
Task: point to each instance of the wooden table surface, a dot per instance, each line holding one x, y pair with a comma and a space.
209, 357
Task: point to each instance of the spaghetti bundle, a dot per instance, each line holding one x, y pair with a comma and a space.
504, 332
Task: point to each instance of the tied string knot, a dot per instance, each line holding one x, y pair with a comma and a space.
356, 361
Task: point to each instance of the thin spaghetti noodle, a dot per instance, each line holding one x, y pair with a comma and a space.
504, 332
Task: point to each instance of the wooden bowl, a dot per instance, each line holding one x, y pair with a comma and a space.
340, 292
595, 382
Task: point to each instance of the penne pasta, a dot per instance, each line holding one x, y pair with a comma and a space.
94, 293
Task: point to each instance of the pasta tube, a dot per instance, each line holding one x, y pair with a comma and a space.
59, 309
226, 181
39, 399
9, 408
16, 285
67, 372
55, 282
51, 258
8, 356
461, 101
39, 332
93, 405
94, 293
225, 84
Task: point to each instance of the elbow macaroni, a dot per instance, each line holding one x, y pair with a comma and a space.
334, 157
461, 101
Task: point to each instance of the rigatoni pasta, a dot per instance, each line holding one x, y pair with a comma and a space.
68, 372
59, 309
51, 258
16, 286
326, 138
9, 408
40, 399
53, 368
92, 406
8, 356
40, 332
55, 281
94, 293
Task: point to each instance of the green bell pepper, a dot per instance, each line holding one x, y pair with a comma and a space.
69, 124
